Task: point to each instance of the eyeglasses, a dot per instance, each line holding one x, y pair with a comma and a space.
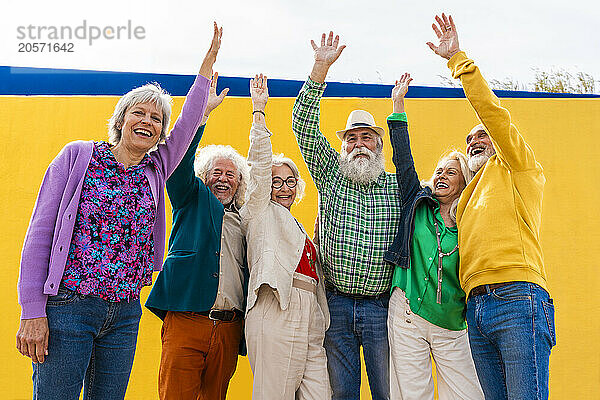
291, 182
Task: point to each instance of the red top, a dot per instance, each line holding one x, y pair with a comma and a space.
308, 263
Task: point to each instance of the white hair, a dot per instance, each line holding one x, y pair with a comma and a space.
280, 159
362, 171
149, 93
466, 172
205, 159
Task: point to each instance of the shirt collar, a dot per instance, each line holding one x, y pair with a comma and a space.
107, 158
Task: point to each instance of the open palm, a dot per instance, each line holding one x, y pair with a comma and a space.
259, 92
401, 87
329, 51
446, 33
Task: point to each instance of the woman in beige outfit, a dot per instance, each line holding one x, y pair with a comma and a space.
287, 313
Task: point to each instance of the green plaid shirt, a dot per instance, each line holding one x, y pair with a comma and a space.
357, 223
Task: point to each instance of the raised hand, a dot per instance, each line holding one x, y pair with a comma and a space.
211, 55
447, 35
325, 55
259, 92
214, 100
399, 91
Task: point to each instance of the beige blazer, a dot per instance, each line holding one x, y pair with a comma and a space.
275, 239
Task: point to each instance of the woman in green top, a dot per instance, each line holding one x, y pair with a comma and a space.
426, 315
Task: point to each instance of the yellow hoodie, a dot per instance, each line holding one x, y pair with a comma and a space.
499, 212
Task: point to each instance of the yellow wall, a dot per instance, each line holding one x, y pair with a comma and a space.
561, 131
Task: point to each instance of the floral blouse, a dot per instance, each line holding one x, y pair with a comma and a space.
111, 252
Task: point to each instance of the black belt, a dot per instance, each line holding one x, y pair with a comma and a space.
333, 289
485, 289
222, 315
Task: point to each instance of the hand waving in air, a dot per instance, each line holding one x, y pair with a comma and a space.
399, 91
325, 55
259, 93
211, 54
214, 100
447, 35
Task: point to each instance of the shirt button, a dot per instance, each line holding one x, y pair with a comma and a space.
217, 253
430, 258
52, 285
426, 278
407, 312
215, 275
408, 320
419, 299
60, 248
69, 216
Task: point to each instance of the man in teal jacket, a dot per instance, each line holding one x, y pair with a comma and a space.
201, 292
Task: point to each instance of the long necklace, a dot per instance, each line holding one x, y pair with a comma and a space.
441, 256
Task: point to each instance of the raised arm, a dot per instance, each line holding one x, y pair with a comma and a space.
408, 181
170, 153
508, 142
260, 154
318, 154
182, 184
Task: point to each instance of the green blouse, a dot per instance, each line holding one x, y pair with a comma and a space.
419, 282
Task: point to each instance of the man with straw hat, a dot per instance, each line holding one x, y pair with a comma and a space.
359, 210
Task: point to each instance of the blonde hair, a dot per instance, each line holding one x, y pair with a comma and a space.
204, 161
280, 159
464, 169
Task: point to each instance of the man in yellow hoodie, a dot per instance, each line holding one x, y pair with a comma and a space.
509, 311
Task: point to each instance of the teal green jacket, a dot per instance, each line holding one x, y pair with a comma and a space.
190, 275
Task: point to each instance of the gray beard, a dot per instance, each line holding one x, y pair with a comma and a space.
360, 170
476, 162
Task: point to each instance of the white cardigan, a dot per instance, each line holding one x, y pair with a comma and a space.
275, 239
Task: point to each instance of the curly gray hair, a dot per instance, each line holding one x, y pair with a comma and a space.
204, 161
149, 93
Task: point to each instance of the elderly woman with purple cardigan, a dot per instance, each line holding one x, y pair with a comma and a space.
96, 234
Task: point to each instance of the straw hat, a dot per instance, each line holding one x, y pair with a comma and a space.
360, 119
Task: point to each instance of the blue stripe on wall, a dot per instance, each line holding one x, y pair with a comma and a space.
20, 81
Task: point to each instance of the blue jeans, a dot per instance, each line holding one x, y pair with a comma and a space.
354, 323
511, 332
91, 340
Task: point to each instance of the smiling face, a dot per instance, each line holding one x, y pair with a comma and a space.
284, 194
479, 148
223, 180
448, 181
142, 125
360, 138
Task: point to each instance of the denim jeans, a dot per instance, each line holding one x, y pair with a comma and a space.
511, 332
91, 341
356, 322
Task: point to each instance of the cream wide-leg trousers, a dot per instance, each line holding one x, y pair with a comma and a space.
285, 348
413, 341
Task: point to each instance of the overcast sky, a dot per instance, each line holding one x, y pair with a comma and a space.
384, 38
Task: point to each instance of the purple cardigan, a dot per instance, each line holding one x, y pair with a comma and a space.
48, 237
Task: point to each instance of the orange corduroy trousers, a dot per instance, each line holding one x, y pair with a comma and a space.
198, 357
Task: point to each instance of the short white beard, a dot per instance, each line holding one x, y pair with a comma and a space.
476, 162
360, 170
226, 201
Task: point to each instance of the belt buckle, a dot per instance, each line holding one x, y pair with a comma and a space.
211, 317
